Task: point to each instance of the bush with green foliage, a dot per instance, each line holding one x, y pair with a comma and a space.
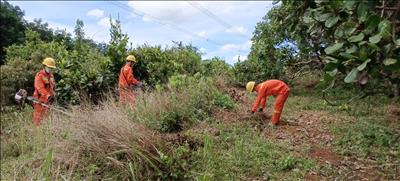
23, 62
357, 42
156, 65
185, 100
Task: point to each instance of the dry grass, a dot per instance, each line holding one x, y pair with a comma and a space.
96, 143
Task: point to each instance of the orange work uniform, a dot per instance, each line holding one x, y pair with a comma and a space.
126, 79
268, 88
44, 88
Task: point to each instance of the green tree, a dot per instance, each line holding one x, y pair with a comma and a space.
357, 42
117, 50
12, 27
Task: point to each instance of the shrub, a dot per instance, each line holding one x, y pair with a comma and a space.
223, 100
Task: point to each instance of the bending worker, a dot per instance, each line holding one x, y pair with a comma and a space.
268, 88
127, 81
44, 90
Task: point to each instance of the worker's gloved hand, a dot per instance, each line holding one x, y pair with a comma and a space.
260, 110
50, 100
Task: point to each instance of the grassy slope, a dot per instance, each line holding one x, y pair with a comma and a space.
315, 141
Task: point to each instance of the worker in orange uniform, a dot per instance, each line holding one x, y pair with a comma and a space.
127, 81
44, 90
268, 88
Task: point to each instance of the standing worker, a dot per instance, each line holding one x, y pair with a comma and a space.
44, 89
268, 88
127, 81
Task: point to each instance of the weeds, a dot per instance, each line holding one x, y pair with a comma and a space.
188, 100
240, 154
365, 138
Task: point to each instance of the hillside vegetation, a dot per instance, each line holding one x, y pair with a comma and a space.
340, 59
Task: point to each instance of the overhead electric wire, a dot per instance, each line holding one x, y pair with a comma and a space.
220, 21
158, 20
215, 17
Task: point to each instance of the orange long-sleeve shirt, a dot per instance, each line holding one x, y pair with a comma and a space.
126, 77
44, 86
267, 88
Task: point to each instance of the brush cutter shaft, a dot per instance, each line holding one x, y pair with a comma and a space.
30, 98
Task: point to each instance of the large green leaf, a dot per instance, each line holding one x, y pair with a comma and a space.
362, 11
372, 23
333, 48
387, 48
330, 59
330, 66
308, 19
339, 32
357, 38
350, 27
348, 55
389, 61
324, 17
385, 28
362, 43
375, 39
363, 65
352, 49
363, 53
374, 47
349, 5
333, 72
331, 21
351, 76
397, 42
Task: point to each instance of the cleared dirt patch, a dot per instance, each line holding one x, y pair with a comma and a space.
306, 129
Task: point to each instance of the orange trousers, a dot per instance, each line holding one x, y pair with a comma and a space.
126, 97
278, 107
38, 114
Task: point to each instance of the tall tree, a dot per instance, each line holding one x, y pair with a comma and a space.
117, 50
11, 27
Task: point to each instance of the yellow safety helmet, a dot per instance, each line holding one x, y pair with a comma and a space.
131, 58
49, 62
250, 86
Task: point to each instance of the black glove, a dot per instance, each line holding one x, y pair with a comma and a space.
50, 100
260, 110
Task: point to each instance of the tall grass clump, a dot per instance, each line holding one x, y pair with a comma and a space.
185, 100
94, 143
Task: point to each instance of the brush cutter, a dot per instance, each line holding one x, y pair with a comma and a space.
21, 97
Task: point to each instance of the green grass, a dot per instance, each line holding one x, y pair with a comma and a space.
239, 153
361, 129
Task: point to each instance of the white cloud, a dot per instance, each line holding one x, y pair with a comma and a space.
229, 47
202, 50
237, 30
58, 26
98, 13
202, 34
147, 18
177, 11
105, 22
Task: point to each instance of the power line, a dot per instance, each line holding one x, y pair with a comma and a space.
218, 20
164, 23
215, 17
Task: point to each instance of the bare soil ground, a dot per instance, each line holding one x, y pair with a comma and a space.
308, 133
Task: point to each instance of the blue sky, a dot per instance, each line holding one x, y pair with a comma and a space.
228, 37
